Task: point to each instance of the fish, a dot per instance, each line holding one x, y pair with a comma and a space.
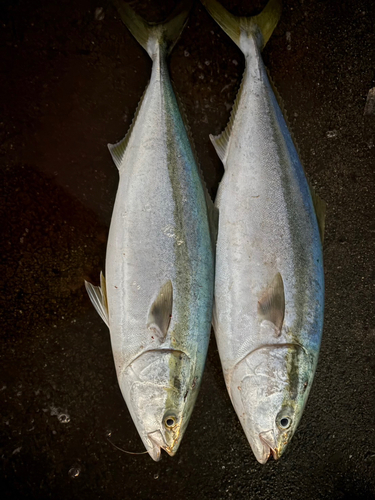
269, 278
157, 296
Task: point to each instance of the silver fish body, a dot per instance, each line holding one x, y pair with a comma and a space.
159, 262
269, 282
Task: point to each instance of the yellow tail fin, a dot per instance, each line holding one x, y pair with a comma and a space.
234, 26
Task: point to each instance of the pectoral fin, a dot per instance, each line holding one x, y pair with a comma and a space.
271, 306
161, 310
98, 297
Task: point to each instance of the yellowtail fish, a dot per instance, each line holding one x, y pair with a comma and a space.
269, 284
158, 293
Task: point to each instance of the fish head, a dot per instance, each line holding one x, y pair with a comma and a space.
269, 389
158, 390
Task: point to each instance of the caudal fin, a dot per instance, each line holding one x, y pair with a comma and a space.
152, 35
263, 24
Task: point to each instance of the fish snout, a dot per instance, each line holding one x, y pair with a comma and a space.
157, 441
268, 445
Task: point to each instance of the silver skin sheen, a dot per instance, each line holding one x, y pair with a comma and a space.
269, 283
159, 262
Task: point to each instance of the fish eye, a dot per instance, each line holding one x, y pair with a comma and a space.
170, 421
284, 422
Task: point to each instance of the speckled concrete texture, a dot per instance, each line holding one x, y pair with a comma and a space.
71, 78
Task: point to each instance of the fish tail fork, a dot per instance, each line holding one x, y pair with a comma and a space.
236, 27
153, 36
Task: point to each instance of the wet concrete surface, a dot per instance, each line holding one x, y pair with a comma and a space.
71, 78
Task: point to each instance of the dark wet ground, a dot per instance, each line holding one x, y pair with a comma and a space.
70, 83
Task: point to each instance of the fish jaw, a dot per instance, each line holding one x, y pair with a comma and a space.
158, 443
157, 388
268, 441
263, 444
265, 392
155, 451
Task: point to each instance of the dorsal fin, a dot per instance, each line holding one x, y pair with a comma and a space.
98, 297
237, 27
153, 37
118, 150
221, 141
161, 311
271, 306
320, 207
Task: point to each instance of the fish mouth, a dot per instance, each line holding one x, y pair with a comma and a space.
155, 451
268, 441
158, 444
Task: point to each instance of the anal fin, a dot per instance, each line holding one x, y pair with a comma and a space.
320, 207
98, 297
